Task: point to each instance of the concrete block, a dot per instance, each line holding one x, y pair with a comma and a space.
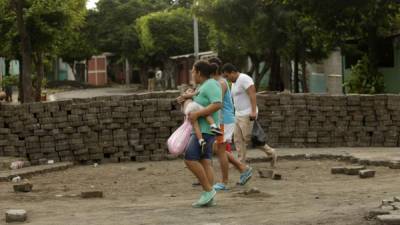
386, 202
265, 173
353, 170
394, 165
142, 158
396, 205
338, 170
377, 212
276, 176
24, 187
156, 157
389, 219
367, 173
91, 194
16, 215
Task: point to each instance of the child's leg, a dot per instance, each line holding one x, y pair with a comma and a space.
191, 107
210, 121
214, 128
197, 131
185, 104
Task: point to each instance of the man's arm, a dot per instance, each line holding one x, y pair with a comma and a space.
205, 112
251, 91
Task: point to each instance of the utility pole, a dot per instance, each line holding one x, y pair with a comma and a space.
196, 38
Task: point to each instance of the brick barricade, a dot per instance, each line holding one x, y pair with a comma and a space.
117, 128
136, 127
306, 120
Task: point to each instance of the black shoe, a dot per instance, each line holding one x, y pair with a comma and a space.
216, 131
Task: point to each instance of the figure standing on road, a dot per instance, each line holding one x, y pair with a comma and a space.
245, 102
198, 162
227, 118
159, 79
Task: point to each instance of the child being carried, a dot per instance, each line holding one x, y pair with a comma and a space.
191, 106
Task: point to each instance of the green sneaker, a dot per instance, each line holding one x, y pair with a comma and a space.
209, 204
205, 198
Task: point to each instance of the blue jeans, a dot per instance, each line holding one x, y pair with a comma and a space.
193, 150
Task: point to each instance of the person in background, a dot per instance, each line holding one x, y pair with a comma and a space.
245, 102
159, 79
151, 80
227, 116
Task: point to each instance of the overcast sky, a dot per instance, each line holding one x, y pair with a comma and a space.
91, 4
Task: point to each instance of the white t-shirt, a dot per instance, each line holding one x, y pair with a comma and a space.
241, 99
159, 75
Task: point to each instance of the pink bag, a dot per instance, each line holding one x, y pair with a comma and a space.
178, 141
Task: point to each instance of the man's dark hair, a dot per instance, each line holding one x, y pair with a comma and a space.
229, 68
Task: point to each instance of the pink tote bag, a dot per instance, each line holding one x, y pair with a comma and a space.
178, 141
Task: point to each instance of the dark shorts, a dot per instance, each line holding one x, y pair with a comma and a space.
193, 150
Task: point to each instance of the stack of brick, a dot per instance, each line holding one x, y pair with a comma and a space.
136, 127
118, 128
307, 120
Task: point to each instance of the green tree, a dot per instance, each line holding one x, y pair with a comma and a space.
364, 20
305, 43
273, 32
167, 33
237, 25
114, 24
77, 46
39, 27
52, 23
361, 80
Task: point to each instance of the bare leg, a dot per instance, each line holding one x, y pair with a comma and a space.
223, 161
210, 120
236, 163
197, 131
270, 152
195, 125
208, 170
201, 173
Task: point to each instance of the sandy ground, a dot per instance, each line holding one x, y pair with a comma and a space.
162, 194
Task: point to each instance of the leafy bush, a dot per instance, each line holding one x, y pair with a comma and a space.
362, 81
44, 81
11, 80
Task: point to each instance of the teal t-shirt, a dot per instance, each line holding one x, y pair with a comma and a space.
209, 92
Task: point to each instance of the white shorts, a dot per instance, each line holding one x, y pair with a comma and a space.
228, 132
193, 107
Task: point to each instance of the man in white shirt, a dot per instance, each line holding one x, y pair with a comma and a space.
245, 102
159, 79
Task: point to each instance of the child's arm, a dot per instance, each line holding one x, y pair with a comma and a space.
189, 95
185, 96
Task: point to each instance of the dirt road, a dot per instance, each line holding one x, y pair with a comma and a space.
162, 194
